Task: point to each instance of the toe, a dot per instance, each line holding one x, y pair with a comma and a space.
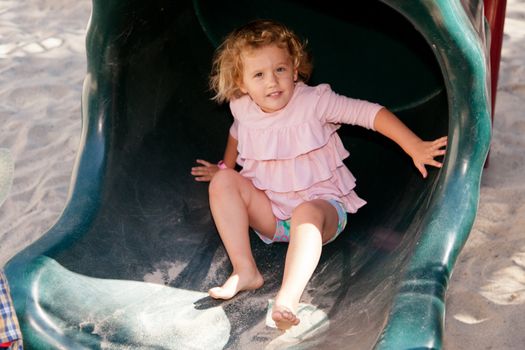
284, 318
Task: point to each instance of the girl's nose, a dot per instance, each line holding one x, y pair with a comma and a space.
272, 79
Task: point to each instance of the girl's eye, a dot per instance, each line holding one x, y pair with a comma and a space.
281, 69
258, 75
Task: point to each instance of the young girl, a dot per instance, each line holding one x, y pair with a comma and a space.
293, 186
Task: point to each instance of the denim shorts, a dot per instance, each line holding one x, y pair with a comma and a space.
282, 229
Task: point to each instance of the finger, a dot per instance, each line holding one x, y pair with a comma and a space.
422, 170
438, 146
203, 162
441, 142
199, 171
439, 152
202, 179
204, 169
435, 163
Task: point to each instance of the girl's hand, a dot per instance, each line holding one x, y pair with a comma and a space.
205, 172
424, 153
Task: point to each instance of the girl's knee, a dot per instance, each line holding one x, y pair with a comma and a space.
312, 210
223, 180
317, 212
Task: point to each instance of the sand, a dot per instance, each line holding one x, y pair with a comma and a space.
486, 297
42, 66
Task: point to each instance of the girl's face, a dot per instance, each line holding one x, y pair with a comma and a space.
268, 77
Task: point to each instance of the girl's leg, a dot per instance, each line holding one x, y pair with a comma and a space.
313, 223
235, 205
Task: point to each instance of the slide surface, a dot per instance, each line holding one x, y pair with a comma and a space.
128, 263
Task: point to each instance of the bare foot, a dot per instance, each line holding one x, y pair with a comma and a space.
284, 318
236, 283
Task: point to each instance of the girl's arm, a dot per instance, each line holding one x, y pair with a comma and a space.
230, 153
206, 172
422, 152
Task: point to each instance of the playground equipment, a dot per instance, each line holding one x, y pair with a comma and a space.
135, 214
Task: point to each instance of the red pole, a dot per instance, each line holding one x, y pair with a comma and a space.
495, 14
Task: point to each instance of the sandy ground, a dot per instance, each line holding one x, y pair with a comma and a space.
42, 66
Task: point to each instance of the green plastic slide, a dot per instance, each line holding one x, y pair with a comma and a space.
128, 263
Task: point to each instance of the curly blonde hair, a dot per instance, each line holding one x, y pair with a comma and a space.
226, 73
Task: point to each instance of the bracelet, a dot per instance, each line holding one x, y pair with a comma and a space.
222, 165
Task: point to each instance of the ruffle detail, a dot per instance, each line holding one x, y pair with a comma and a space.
283, 204
285, 142
295, 155
302, 172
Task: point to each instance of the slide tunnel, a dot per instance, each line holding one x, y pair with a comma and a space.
128, 263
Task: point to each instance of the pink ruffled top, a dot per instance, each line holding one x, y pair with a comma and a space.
295, 154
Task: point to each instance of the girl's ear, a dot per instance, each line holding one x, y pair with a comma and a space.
243, 90
295, 75
241, 87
